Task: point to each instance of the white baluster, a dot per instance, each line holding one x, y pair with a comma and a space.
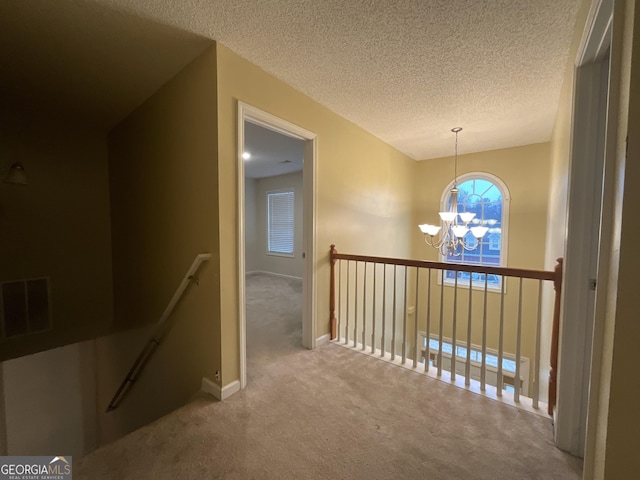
441, 322
454, 346
536, 369
339, 298
375, 296
346, 330
404, 319
483, 368
415, 322
364, 309
516, 380
501, 339
384, 309
427, 360
393, 333
355, 317
467, 368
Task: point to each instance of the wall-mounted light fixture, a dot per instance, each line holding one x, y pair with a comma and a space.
16, 175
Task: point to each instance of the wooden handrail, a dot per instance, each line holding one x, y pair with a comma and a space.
159, 331
555, 276
460, 267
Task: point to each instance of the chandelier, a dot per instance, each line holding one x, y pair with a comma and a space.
453, 239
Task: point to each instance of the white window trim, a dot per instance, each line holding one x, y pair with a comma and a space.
504, 234
293, 250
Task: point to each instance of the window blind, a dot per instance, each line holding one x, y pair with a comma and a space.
280, 223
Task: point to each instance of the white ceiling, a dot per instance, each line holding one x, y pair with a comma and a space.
405, 70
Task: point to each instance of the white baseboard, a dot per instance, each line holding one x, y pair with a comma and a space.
326, 338
228, 390
220, 393
273, 274
211, 388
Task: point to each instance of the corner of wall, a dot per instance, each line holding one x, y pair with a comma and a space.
164, 212
213, 389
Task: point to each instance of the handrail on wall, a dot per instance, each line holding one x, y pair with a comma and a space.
158, 333
555, 276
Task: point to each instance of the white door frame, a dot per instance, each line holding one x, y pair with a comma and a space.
589, 215
259, 117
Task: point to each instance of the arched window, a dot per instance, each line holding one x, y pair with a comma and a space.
488, 197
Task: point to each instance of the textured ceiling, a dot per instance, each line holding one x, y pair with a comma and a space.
406, 71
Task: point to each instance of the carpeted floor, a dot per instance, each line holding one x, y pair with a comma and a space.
331, 414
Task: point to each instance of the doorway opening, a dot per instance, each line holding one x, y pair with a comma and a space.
276, 211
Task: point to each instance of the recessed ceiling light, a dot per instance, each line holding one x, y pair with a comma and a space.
246, 155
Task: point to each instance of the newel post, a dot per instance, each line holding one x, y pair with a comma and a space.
332, 293
555, 333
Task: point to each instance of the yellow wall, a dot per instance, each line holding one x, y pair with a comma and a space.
57, 226
364, 187
164, 205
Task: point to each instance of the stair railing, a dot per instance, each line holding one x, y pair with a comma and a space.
158, 334
379, 326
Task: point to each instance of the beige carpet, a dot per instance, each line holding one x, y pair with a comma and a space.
331, 414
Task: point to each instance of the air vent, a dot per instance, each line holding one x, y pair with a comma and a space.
25, 307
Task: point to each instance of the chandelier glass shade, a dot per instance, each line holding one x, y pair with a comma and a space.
454, 230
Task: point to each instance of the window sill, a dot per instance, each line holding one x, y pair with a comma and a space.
478, 286
284, 255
